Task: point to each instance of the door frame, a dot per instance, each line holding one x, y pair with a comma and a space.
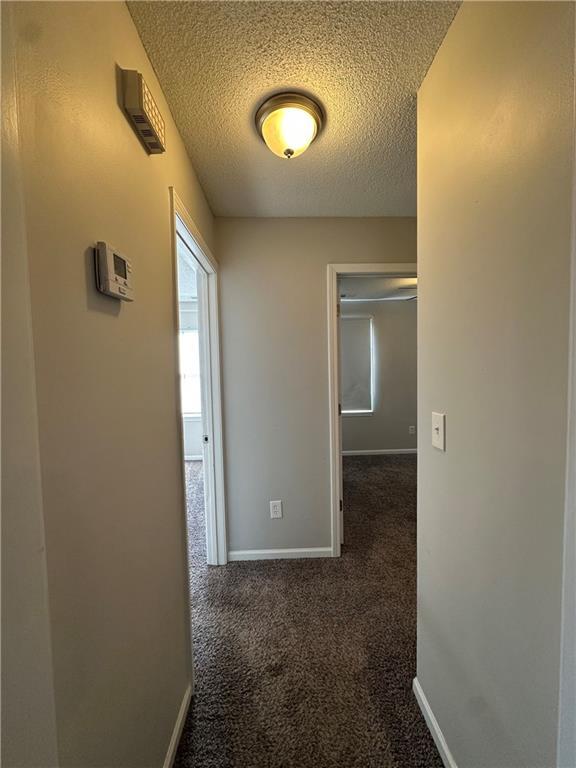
215, 512
333, 272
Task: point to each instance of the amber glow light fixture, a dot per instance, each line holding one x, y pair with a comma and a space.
289, 123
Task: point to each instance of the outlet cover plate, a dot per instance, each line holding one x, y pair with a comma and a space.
439, 430
275, 509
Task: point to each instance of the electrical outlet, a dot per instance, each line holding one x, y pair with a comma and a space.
411, 430
275, 509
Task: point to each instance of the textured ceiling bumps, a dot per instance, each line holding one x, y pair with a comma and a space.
364, 61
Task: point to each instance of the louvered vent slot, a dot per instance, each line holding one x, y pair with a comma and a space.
143, 112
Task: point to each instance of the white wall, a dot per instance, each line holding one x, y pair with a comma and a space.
495, 154
394, 328
275, 366
106, 382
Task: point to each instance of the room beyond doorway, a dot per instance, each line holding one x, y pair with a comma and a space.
378, 327
199, 375
355, 394
191, 344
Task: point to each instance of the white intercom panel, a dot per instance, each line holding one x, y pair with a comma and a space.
113, 273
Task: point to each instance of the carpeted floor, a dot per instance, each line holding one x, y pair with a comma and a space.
309, 663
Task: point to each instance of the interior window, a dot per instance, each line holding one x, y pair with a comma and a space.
189, 340
190, 372
356, 340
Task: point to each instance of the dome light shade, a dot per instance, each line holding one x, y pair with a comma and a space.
289, 123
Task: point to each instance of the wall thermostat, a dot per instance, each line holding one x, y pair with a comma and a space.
113, 272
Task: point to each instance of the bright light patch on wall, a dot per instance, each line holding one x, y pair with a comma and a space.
189, 348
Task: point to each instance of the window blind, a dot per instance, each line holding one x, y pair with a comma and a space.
356, 363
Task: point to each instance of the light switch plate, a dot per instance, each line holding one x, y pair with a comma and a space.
439, 430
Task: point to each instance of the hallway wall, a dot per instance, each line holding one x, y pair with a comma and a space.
27, 673
106, 385
275, 366
495, 159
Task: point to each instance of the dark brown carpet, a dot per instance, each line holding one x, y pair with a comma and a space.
309, 663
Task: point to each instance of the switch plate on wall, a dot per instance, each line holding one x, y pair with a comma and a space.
275, 509
439, 430
411, 430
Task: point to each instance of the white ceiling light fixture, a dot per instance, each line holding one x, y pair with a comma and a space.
288, 123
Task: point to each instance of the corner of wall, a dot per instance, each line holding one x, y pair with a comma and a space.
566, 749
27, 665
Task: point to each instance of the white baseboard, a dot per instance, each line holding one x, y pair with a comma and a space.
177, 732
278, 554
379, 451
433, 726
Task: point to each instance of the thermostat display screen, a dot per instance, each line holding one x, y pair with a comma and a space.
120, 266
113, 272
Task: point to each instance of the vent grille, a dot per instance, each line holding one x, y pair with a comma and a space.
143, 112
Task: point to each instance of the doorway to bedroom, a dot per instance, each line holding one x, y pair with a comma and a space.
190, 278
372, 328
199, 384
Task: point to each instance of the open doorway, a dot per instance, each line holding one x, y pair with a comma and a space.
372, 376
199, 385
191, 350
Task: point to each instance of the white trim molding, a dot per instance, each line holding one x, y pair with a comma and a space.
433, 726
178, 726
278, 554
333, 272
380, 451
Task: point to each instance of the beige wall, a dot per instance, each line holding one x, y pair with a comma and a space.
28, 714
394, 324
495, 122
108, 420
275, 366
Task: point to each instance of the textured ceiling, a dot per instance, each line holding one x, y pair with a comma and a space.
364, 61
